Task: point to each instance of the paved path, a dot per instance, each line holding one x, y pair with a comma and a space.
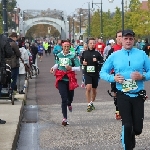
87, 131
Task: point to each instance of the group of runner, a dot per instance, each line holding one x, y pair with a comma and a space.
121, 68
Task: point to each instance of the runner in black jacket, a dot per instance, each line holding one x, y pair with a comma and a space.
116, 47
92, 61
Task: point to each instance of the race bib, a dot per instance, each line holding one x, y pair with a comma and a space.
129, 85
64, 61
90, 68
99, 46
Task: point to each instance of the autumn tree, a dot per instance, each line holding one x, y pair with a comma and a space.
117, 20
134, 5
108, 29
95, 24
135, 18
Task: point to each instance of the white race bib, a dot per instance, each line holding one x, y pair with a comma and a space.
64, 61
90, 69
99, 46
129, 85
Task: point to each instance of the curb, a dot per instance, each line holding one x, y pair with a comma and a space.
14, 143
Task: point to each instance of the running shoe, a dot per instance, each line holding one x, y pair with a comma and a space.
82, 85
117, 116
70, 108
93, 107
89, 108
64, 122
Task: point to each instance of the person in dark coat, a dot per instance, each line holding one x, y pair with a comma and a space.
5, 52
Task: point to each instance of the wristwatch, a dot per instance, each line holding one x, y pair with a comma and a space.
143, 77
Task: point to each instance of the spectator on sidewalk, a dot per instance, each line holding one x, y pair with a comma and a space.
24, 60
34, 51
27, 47
15, 59
5, 52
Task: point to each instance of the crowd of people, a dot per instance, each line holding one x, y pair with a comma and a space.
16, 57
116, 62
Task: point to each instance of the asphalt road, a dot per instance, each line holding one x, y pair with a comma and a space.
97, 130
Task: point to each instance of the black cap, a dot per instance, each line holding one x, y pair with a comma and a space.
128, 32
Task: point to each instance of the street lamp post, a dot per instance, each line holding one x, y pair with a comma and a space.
69, 28
73, 25
89, 19
111, 1
15, 9
122, 15
80, 22
80, 19
5, 25
101, 18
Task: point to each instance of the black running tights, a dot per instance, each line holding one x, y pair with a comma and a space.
132, 113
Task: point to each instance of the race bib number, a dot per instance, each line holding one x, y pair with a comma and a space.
90, 68
64, 61
129, 85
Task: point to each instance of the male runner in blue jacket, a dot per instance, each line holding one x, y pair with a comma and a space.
132, 68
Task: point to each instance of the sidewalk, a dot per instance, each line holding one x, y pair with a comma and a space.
9, 132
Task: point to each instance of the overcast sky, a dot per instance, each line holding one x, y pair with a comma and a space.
65, 5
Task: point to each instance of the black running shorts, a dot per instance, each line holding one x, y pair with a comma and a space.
91, 80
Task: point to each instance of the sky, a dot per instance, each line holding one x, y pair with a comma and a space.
68, 6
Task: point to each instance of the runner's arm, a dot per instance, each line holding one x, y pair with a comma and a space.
77, 64
105, 70
75, 68
55, 66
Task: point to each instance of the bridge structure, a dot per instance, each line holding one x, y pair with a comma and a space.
55, 18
